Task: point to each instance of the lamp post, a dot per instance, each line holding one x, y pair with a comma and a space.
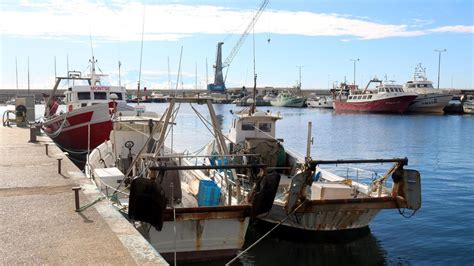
439, 62
354, 60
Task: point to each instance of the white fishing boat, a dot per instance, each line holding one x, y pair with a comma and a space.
193, 215
320, 102
429, 100
311, 197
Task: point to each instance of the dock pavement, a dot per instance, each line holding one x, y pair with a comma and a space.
38, 221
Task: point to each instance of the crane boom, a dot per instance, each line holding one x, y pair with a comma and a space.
244, 35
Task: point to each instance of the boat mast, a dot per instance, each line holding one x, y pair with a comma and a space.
252, 108
16, 73
141, 57
28, 75
120, 80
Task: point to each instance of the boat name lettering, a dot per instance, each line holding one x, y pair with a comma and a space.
100, 88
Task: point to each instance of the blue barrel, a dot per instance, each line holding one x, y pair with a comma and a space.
209, 193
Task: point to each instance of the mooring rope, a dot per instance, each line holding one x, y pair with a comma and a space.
261, 238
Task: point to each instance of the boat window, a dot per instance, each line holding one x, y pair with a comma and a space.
83, 104
265, 127
359, 97
411, 85
247, 126
364, 97
119, 95
83, 95
100, 95
370, 97
386, 89
350, 97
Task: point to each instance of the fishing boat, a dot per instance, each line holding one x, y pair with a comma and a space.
312, 196
320, 102
385, 98
86, 123
192, 215
286, 99
429, 100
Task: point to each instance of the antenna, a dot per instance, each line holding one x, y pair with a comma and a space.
141, 57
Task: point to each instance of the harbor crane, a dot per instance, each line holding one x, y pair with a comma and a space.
219, 79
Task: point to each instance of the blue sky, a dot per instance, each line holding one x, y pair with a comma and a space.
389, 38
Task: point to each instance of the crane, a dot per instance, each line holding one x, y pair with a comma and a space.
219, 80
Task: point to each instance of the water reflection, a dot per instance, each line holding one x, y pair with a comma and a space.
292, 247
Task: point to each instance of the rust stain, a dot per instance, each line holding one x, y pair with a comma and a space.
199, 230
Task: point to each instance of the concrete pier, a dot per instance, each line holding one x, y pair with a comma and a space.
38, 221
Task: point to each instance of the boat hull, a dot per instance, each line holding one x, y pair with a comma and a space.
320, 104
299, 102
203, 235
81, 129
388, 105
429, 103
331, 215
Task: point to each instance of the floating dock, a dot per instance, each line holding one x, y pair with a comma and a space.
39, 224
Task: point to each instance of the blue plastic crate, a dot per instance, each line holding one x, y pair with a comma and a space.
209, 193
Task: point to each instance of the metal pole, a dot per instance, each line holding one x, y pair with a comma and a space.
309, 141
439, 62
28, 75
354, 60
76, 197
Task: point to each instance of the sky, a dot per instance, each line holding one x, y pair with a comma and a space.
322, 38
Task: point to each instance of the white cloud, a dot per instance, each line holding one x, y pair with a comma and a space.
455, 29
122, 21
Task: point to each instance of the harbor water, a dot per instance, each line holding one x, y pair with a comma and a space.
440, 147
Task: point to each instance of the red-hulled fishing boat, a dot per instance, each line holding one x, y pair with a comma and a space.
87, 120
385, 98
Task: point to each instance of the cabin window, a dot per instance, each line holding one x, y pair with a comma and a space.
391, 89
265, 127
411, 85
370, 97
364, 97
359, 97
247, 126
100, 95
83, 104
119, 96
83, 95
350, 97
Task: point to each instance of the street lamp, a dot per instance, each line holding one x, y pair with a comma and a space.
439, 62
354, 60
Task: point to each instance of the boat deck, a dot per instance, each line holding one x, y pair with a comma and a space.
38, 222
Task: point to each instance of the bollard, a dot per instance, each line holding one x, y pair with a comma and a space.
76, 197
59, 165
38, 129
46, 148
32, 134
